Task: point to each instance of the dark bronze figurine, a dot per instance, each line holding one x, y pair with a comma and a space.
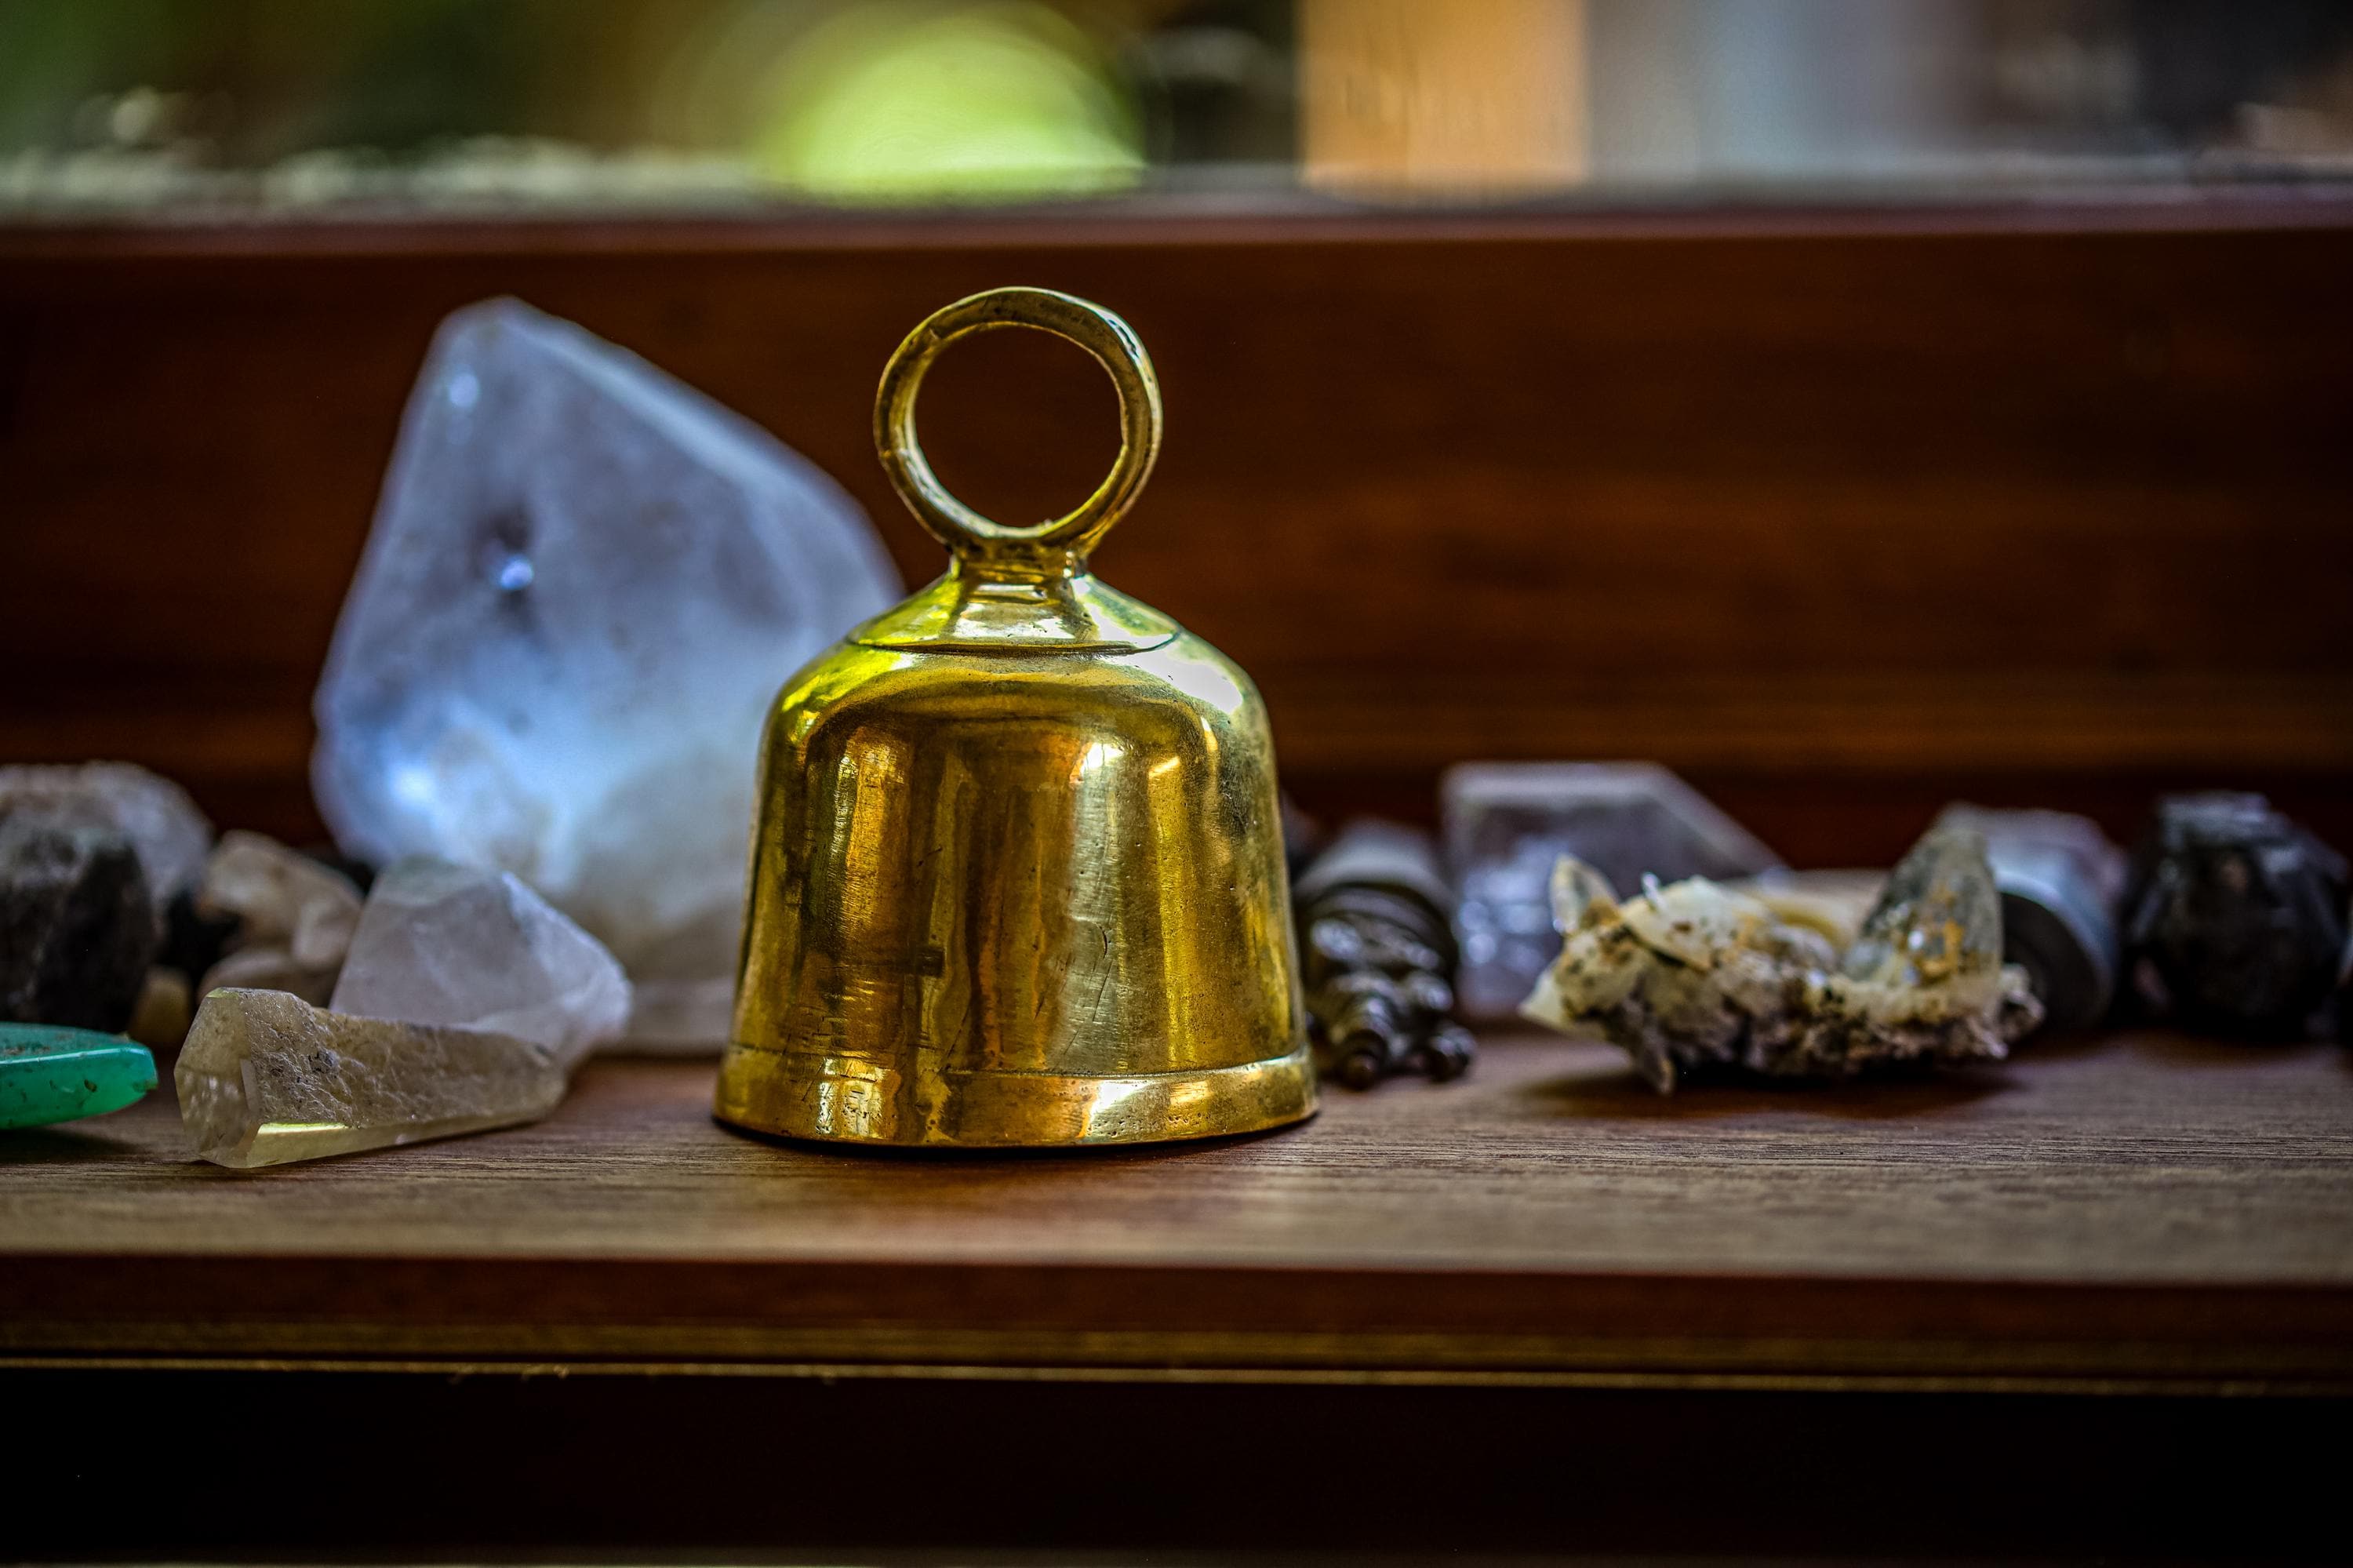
1375, 922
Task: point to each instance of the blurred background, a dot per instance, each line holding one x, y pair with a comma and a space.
1854, 405
173, 106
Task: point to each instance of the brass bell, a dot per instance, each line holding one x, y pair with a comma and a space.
1018, 875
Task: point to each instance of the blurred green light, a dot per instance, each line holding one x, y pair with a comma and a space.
980, 102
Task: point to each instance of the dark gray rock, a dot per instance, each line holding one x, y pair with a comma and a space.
2234, 918
77, 927
156, 814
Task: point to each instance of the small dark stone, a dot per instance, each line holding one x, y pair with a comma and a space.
77, 929
2345, 989
2234, 917
359, 872
195, 937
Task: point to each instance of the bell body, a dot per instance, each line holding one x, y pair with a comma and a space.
1025, 896
1017, 872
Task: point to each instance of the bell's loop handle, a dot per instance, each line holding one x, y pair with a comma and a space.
970, 536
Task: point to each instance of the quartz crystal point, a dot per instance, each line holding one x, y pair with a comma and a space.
156, 814
295, 916
265, 1079
2060, 879
1694, 976
477, 949
1505, 824
584, 584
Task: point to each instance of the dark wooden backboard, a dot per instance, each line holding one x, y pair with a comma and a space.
1840, 517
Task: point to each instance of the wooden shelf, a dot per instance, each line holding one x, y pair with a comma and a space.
2143, 1212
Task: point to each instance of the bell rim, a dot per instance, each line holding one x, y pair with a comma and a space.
776, 1094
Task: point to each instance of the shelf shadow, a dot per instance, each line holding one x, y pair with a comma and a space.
62, 1145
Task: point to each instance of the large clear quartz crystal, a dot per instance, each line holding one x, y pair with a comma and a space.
477, 949
266, 1079
584, 584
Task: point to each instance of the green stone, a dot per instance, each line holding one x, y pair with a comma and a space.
48, 1074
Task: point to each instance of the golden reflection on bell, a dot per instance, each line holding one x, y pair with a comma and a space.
1017, 874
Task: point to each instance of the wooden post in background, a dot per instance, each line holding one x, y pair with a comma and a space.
1472, 96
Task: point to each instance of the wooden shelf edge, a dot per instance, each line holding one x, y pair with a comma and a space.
1283, 217
1211, 1324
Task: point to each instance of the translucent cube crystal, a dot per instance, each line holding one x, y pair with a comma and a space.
1507, 824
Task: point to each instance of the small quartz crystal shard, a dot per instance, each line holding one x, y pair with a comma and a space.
1505, 824
2060, 879
156, 814
266, 1079
2234, 917
51, 1074
1693, 976
294, 917
77, 927
556, 657
477, 949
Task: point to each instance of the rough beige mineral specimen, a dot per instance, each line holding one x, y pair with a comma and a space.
295, 917
266, 1079
1693, 975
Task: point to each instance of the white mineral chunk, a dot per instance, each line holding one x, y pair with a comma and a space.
295, 917
156, 814
1694, 976
477, 949
584, 584
265, 1079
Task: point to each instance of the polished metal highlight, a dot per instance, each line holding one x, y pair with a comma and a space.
1018, 876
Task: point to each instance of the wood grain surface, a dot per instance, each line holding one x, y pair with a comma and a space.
2122, 1211
1841, 517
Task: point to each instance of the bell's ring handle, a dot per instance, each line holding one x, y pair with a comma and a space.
1114, 346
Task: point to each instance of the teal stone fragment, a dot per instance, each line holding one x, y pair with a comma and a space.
48, 1074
